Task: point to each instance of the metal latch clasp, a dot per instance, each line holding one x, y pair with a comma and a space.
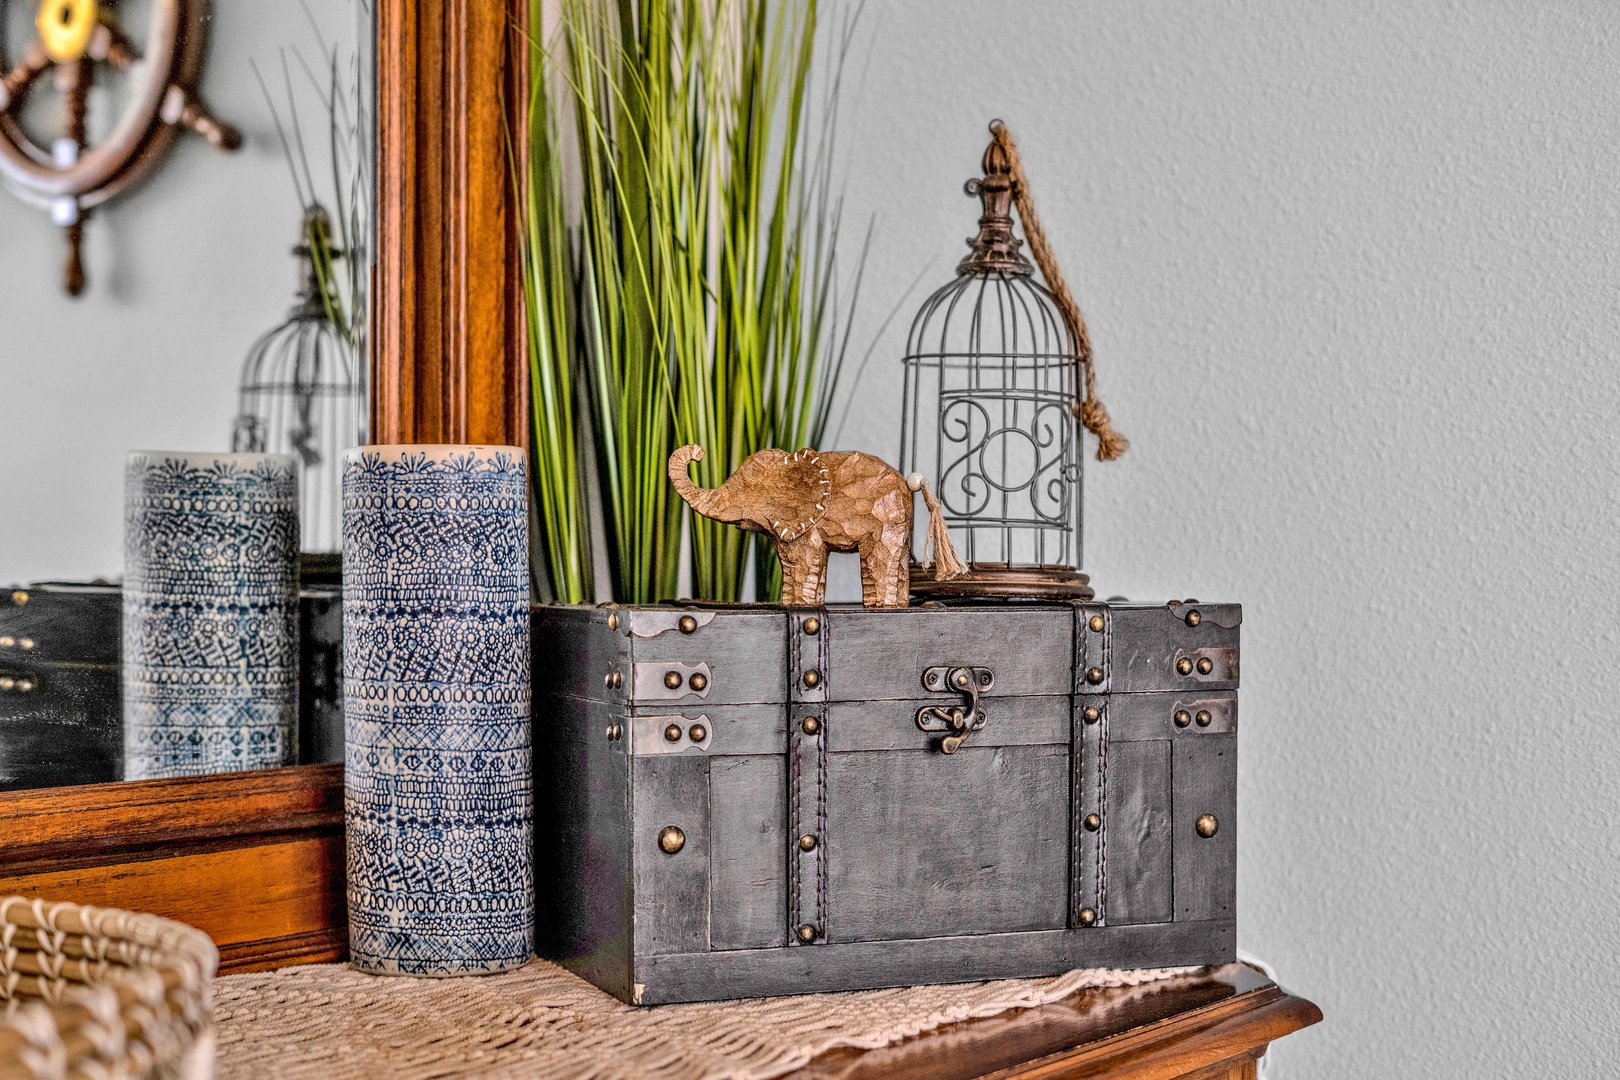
959, 721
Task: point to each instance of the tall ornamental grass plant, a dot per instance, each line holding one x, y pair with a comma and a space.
680, 248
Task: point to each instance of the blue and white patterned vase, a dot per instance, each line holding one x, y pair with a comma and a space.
438, 793
210, 613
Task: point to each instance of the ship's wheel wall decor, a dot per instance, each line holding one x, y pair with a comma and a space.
72, 176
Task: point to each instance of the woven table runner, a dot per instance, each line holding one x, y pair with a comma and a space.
329, 1022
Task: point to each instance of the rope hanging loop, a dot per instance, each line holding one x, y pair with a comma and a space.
1089, 408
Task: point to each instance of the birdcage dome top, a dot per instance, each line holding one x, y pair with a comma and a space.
991, 319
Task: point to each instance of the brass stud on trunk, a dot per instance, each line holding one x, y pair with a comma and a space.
807, 933
671, 839
1097, 624
1205, 665
19, 598
1206, 825
1093, 823
672, 680
812, 678
1193, 618
688, 624
1088, 917
810, 725
697, 732
1094, 675
1204, 718
807, 842
698, 680
812, 626
613, 620
1182, 718
1091, 714
672, 733
1184, 666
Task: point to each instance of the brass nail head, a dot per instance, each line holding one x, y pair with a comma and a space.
688, 624
1094, 675
811, 725
26, 685
812, 626
1193, 618
671, 839
807, 842
19, 598
1097, 624
698, 680
961, 679
7, 642
1093, 823
1204, 718
613, 620
7, 682
1184, 666
812, 678
25, 643
607, 680
697, 732
1206, 825
672, 680
609, 733
672, 733
1091, 714
1088, 917
618, 679
1182, 718
1205, 665
807, 933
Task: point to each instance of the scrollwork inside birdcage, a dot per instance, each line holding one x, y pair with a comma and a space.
1027, 459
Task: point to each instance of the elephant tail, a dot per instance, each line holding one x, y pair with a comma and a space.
947, 564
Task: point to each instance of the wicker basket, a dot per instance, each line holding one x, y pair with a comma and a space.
102, 994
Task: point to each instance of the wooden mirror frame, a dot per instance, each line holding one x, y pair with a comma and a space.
256, 860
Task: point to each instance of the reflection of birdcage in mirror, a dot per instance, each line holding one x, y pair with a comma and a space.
303, 392
991, 369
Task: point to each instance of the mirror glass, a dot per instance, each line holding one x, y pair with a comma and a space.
221, 256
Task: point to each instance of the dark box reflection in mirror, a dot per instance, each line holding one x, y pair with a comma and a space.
61, 706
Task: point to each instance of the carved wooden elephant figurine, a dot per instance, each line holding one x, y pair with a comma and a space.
810, 503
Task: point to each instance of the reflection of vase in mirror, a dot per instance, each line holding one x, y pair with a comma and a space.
210, 613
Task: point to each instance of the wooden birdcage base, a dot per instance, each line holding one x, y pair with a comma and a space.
1001, 580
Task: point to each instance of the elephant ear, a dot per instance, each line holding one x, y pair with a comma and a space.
803, 489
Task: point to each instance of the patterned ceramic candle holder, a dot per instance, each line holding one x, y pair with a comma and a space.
438, 792
210, 613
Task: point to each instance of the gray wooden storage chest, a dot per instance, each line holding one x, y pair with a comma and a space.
752, 800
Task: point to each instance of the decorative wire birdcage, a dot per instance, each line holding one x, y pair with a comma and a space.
303, 392
990, 387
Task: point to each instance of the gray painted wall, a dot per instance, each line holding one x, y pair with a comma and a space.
185, 272
1349, 273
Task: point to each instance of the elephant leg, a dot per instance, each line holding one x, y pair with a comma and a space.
885, 571
804, 571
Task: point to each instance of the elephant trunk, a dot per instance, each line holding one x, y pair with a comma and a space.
703, 500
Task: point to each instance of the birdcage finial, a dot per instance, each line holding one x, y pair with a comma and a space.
995, 249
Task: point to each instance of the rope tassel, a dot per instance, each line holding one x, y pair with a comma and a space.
1089, 409
947, 564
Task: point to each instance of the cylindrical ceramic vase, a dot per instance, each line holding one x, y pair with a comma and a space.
438, 793
210, 613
